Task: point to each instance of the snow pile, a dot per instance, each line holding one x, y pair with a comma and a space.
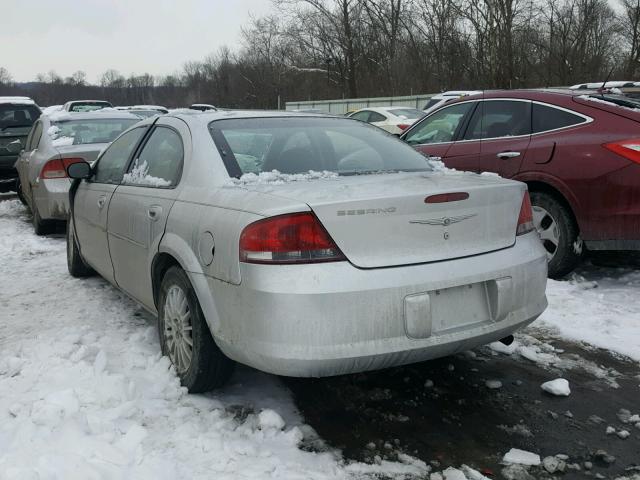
274, 177
139, 175
606, 316
558, 387
521, 457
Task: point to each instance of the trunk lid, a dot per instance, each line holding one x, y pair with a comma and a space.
89, 152
383, 220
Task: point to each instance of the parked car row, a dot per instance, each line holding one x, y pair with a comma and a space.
312, 245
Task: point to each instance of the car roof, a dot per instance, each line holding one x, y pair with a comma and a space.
92, 101
113, 114
211, 115
17, 100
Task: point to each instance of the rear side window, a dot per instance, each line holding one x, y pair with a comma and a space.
499, 118
160, 162
35, 138
294, 145
111, 165
441, 126
376, 117
545, 118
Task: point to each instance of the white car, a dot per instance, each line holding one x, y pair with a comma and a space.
609, 84
392, 119
437, 101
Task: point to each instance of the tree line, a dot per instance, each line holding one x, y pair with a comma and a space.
321, 49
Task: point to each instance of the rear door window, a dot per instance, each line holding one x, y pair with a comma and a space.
545, 118
440, 127
160, 162
376, 117
500, 118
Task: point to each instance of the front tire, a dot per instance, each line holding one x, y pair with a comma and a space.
75, 263
185, 336
558, 232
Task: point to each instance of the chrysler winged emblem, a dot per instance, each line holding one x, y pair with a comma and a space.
444, 221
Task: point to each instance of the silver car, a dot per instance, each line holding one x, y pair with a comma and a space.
54, 142
302, 245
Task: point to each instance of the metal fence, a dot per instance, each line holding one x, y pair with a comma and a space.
340, 107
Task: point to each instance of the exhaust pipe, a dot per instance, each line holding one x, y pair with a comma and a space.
507, 340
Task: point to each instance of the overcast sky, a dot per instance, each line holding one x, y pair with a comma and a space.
134, 36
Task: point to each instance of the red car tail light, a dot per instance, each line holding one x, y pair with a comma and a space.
291, 238
629, 149
403, 126
525, 219
57, 168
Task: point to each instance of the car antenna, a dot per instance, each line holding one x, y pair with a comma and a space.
601, 89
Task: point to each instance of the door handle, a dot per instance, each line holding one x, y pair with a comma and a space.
101, 201
154, 213
505, 155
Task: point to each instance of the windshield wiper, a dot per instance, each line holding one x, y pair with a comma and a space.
621, 102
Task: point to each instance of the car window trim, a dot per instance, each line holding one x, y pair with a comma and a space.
97, 163
587, 121
138, 151
587, 118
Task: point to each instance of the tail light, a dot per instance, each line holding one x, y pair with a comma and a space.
57, 168
404, 126
525, 219
285, 239
629, 149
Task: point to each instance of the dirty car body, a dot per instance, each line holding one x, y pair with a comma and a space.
379, 262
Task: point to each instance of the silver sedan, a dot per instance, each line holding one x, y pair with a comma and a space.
54, 142
302, 245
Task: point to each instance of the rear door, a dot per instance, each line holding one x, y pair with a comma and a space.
91, 201
140, 206
436, 136
503, 128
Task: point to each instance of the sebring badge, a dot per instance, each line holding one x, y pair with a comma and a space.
444, 221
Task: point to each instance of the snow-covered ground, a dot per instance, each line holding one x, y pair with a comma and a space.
603, 311
85, 393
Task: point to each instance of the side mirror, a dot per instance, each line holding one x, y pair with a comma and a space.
14, 147
79, 170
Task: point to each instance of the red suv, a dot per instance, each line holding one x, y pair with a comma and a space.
579, 153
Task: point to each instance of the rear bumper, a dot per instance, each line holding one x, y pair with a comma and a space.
52, 198
331, 319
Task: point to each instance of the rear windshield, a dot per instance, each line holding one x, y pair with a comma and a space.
81, 132
431, 103
16, 115
407, 112
88, 106
298, 145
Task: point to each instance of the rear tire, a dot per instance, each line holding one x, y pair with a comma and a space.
40, 226
75, 263
558, 232
20, 193
185, 336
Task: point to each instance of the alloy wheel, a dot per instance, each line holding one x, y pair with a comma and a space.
547, 228
178, 329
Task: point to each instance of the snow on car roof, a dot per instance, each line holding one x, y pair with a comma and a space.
62, 115
17, 100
